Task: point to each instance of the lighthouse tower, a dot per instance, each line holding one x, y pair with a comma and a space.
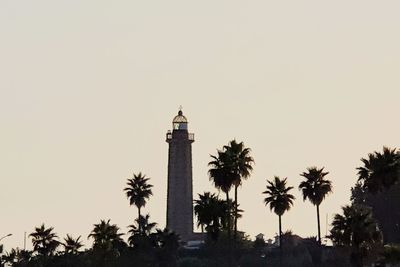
180, 195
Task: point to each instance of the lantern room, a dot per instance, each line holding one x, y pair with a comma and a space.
180, 122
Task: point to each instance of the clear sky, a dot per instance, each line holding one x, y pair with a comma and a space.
88, 90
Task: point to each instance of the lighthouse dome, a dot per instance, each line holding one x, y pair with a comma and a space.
180, 118
179, 122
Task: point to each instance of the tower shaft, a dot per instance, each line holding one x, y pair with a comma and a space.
180, 192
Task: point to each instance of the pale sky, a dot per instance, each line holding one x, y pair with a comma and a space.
88, 90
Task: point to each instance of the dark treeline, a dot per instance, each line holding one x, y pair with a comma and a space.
366, 233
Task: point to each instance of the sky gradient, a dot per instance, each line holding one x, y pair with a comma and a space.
88, 90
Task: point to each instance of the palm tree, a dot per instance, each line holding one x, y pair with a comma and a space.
138, 191
211, 213
241, 163
380, 170
44, 240
71, 245
141, 238
356, 229
222, 176
106, 236
315, 188
279, 200
147, 226
202, 208
379, 180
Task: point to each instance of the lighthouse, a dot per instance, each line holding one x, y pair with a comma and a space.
180, 185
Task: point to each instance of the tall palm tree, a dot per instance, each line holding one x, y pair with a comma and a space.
379, 181
138, 191
380, 170
315, 188
279, 199
106, 236
223, 178
72, 245
44, 240
241, 163
356, 229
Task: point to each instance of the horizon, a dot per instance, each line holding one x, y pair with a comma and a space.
89, 90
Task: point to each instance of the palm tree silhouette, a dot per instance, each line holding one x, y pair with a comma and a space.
138, 191
379, 184
72, 245
315, 188
141, 238
279, 199
356, 229
202, 208
106, 236
144, 221
223, 178
211, 213
241, 163
44, 240
380, 170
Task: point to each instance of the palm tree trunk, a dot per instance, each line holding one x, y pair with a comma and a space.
319, 226
229, 231
229, 215
236, 213
280, 232
280, 240
139, 221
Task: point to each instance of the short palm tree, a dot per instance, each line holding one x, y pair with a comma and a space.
202, 208
147, 226
138, 191
141, 238
211, 213
315, 188
380, 170
106, 236
72, 245
241, 164
356, 229
44, 240
279, 199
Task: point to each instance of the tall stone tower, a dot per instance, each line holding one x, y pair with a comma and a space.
180, 195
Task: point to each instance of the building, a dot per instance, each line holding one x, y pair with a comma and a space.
180, 186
